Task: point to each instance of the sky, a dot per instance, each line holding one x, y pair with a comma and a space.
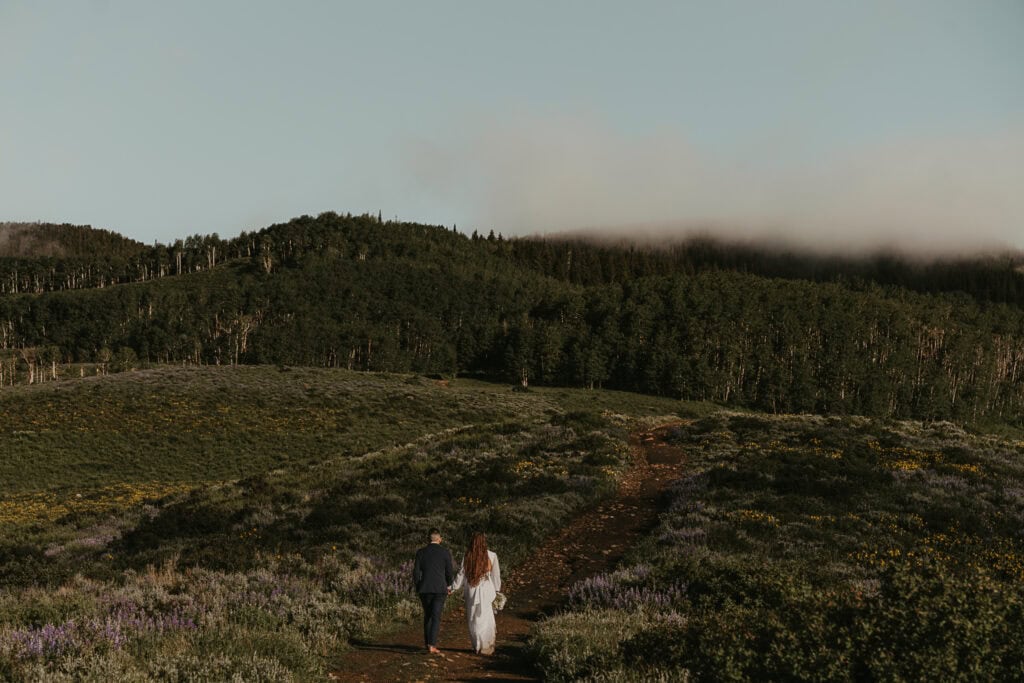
834, 125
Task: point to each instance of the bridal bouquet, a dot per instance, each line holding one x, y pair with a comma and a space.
499, 601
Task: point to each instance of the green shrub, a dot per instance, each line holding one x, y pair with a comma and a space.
583, 645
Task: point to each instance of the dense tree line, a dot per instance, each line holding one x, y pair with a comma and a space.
40, 257
68, 257
992, 278
37, 258
36, 240
365, 294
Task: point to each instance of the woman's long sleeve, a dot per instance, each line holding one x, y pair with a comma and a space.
496, 572
460, 579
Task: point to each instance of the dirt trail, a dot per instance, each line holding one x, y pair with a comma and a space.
592, 543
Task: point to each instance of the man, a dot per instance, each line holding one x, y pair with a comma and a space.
432, 573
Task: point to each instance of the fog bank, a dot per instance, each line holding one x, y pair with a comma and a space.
930, 196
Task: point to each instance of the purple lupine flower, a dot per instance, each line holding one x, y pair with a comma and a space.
608, 591
384, 585
55, 640
130, 616
685, 536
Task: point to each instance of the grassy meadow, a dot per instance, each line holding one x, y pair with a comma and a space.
819, 549
250, 522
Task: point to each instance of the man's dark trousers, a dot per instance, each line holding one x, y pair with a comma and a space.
432, 572
433, 606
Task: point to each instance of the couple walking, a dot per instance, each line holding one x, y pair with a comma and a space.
433, 573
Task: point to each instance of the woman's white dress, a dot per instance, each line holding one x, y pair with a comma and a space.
479, 608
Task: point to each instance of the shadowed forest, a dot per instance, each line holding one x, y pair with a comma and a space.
755, 328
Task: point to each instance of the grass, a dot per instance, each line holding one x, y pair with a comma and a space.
251, 522
809, 548
182, 523
207, 424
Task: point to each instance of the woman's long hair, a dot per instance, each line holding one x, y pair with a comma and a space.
476, 562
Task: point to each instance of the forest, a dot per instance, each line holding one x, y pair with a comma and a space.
744, 326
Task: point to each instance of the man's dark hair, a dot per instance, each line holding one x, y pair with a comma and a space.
434, 532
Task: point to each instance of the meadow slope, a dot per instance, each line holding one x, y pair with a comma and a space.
211, 522
818, 549
254, 522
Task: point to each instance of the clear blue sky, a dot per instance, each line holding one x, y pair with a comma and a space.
164, 119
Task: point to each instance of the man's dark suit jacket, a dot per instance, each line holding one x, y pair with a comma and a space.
433, 570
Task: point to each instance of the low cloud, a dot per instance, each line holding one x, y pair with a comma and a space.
927, 196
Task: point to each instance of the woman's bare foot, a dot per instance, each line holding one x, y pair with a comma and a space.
433, 650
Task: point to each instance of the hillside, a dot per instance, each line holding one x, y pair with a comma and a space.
254, 522
763, 330
813, 549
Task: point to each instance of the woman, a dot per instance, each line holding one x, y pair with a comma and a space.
481, 576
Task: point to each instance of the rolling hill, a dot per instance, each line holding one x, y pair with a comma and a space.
702, 321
